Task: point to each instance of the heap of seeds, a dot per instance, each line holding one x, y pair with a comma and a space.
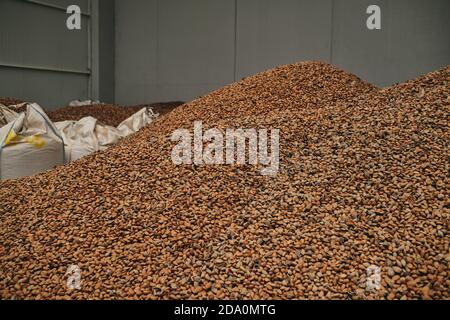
363, 186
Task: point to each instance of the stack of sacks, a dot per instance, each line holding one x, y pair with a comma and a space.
31, 143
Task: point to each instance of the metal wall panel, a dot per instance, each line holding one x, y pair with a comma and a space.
169, 50
275, 32
355, 47
49, 89
198, 31
84, 4
37, 52
420, 39
106, 51
136, 47
414, 39
37, 35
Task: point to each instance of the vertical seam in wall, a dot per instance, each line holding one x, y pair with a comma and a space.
157, 50
114, 54
90, 82
95, 49
390, 73
332, 32
388, 36
235, 42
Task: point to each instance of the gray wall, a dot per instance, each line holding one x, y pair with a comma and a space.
160, 50
414, 39
34, 37
271, 33
170, 50
106, 50
41, 60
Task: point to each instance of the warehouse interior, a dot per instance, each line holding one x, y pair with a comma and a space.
204, 151
143, 51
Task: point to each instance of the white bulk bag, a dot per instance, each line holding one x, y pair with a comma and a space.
7, 115
137, 121
107, 135
78, 137
79, 103
86, 136
29, 145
